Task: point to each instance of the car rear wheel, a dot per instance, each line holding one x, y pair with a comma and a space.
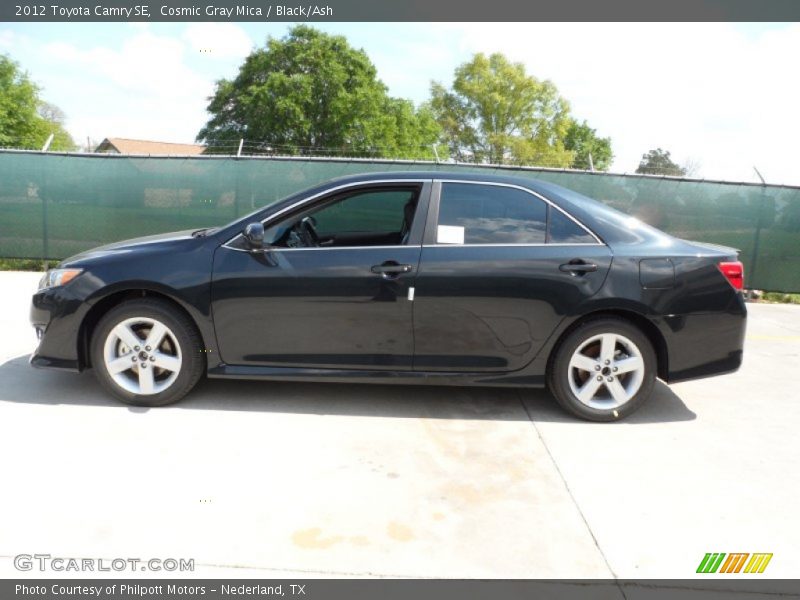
147, 353
603, 370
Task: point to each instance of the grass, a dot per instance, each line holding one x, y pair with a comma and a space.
23, 264
780, 298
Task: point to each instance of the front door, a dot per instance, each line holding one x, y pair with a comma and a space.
332, 288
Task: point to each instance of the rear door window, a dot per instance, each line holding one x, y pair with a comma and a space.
490, 214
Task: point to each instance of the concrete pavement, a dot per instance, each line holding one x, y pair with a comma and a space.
280, 479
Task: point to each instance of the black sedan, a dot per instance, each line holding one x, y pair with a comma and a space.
420, 278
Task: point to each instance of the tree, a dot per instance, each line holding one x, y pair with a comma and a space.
410, 132
583, 141
53, 122
26, 120
658, 162
311, 92
496, 113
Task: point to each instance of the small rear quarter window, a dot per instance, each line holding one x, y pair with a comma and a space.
563, 230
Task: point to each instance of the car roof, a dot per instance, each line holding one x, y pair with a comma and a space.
488, 177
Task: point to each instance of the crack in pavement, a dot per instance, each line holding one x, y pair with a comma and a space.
571, 495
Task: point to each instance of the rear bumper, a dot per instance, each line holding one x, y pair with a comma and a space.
706, 344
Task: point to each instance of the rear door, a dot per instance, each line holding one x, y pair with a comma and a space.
500, 268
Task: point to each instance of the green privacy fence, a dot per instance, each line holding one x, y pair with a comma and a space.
54, 205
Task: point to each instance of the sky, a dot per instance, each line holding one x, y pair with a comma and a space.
723, 96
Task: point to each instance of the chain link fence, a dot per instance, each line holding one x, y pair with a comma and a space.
55, 205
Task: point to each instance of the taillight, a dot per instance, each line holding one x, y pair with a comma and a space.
734, 273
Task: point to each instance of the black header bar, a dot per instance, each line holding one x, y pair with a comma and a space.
397, 10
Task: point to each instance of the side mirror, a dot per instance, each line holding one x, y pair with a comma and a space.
254, 234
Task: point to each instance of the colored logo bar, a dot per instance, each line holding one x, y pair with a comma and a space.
714, 562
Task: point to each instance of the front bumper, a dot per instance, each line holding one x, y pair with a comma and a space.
56, 315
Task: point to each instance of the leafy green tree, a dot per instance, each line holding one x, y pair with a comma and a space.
312, 93
658, 162
52, 121
409, 132
26, 120
497, 113
584, 142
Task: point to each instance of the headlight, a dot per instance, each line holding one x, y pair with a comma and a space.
57, 277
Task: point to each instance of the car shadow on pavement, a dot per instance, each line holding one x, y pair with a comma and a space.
19, 382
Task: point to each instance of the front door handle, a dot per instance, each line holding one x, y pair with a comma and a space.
391, 268
578, 266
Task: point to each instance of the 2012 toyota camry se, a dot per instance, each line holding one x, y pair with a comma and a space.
421, 278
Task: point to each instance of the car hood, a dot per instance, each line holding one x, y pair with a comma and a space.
161, 241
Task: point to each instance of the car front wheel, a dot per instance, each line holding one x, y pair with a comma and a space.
603, 370
147, 353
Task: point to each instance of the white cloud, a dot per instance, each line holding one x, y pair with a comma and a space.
152, 86
13, 41
218, 40
146, 63
143, 90
712, 92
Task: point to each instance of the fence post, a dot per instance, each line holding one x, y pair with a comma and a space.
757, 238
237, 175
49, 141
43, 193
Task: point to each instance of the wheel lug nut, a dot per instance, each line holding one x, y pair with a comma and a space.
597, 367
608, 362
615, 369
147, 348
152, 359
599, 378
136, 348
610, 379
144, 365
133, 358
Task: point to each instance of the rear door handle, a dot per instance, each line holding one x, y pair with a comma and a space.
390, 267
578, 266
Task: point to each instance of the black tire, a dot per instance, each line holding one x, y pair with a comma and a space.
184, 332
558, 375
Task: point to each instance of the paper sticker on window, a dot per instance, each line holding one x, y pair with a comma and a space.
449, 234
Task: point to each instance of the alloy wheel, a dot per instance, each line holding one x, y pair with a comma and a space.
606, 371
142, 356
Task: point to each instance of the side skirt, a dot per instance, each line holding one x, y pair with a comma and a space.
366, 376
